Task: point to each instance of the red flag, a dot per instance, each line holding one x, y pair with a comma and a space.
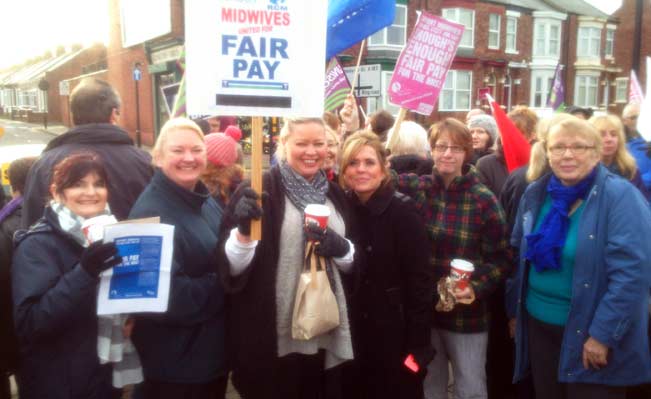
516, 148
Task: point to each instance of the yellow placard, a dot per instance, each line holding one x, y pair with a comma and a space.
3, 171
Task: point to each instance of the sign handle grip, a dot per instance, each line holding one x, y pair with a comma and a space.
359, 61
396, 128
256, 170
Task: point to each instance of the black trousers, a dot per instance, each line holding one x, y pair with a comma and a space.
544, 351
215, 389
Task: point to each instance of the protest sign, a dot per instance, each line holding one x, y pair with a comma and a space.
336, 86
423, 64
141, 283
255, 57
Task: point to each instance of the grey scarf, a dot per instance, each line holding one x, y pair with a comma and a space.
302, 192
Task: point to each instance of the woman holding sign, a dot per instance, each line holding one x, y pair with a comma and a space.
182, 350
263, 275
54, 277
469, 256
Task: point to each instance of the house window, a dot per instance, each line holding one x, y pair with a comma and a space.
547, 39
621, 93
511, 33
606, 93
541, 84
610, 40
455, 95
494, 31
394, 35
466, 18
589, 42
382, 103
585, 93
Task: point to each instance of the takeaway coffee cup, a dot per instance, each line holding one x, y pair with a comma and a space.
460, 272
317, 213
93, 228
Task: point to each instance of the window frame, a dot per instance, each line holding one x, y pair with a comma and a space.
495, 32
621, 84
507, 49
583, 102
455, 90
470, 30
609, 42
385, 31
593, 34
545, 27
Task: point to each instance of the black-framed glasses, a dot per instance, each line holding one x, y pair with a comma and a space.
455, 149
576, 149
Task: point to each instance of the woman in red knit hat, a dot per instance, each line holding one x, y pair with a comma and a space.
223, 172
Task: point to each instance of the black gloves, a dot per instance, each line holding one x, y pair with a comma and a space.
99, 256
247, 208
423, 355
329, 243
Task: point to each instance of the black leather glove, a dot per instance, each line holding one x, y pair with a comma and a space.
99, 256
247, 208
329, 243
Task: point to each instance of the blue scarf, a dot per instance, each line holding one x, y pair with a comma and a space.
544, 247
10, 207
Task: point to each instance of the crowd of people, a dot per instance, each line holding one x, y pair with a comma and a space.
555, 303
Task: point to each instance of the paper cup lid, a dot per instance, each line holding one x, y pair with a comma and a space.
317, 210
463, 265
101, 220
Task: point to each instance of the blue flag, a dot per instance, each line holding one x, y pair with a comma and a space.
351, 21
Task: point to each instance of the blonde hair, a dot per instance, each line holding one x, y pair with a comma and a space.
623, 159
353, 145
288, 128
538, 163
412, 139
525, 120
170, 126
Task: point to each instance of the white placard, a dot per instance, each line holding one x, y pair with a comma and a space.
141, 283
369, 81
144, 20
254, 57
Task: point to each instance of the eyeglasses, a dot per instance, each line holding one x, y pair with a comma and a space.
455, 149
631, 117
576, 149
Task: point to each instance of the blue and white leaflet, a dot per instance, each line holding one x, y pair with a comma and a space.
141, 283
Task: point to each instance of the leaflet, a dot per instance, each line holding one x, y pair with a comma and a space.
141, 283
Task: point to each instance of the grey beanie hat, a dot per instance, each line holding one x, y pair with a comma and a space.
487, 123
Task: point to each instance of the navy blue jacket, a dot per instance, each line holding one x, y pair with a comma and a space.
610, 284
186, 343
55, 316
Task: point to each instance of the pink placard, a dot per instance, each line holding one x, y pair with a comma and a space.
423, 64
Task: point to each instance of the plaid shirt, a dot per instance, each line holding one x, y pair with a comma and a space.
463, 221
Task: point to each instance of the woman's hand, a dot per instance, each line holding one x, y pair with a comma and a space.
512, 328
99, 256
465, 296
330, 244
246, 209
595, 354
349, 114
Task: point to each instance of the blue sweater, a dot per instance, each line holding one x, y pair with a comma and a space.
186, 343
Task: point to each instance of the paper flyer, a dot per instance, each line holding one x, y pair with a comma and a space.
141, 283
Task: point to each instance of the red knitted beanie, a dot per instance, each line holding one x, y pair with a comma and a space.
234, 132
221, 150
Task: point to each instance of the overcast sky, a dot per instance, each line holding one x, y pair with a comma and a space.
29, 28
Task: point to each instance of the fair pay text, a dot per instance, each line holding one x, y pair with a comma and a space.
256, 58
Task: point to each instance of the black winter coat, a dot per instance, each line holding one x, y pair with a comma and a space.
492, 172
55, 315
393, 306
252, 338
186, 343
128, 168
8, 344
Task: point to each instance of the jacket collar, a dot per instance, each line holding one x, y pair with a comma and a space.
194, 199
378, 202
468, 178
92, 133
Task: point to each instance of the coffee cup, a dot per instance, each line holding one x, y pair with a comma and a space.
93, 228
317, 213
460, 272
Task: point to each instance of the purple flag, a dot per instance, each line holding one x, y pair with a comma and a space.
556, 98
336, 86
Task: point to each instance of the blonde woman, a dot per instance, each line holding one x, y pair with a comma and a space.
182, 350
614, 154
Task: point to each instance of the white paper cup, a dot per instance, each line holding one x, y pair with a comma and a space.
460, 272
93, 228
317, 213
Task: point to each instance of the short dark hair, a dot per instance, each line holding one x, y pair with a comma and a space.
17, 173
458, 132
75, 167
381, 122
203, 124
93, 101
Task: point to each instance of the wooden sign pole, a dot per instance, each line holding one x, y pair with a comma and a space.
396, 128
256, 170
